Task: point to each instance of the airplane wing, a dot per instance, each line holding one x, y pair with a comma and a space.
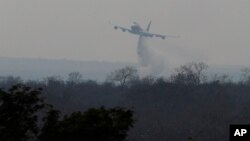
158, 35
122, 28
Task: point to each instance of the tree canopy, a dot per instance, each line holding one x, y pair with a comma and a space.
21, 107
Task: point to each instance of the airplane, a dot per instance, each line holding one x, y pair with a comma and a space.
137, 30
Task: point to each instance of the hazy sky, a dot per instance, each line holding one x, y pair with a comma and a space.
213, 31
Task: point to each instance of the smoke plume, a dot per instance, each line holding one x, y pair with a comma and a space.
161, 61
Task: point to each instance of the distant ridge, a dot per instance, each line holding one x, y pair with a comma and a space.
38, 68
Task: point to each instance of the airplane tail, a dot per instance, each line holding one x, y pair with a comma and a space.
148, 26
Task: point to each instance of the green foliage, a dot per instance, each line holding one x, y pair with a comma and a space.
49, 130
18, 107
92, 125
21, 105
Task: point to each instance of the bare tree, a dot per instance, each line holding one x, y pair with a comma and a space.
123, 76
74, 77
191, 73
245, 75
54, 80
222, 79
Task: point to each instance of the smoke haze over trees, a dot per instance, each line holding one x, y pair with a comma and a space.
180, 107
38, 69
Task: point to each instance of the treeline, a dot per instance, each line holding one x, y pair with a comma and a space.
25, 116
184, 106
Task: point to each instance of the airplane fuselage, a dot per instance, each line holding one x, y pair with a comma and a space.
136, 28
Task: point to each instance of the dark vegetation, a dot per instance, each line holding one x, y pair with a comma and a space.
21, 107
185, 106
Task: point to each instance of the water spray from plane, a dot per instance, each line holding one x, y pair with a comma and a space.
152, 62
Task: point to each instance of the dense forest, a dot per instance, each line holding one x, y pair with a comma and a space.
183, 106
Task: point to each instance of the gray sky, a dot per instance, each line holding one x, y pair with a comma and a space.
213, 31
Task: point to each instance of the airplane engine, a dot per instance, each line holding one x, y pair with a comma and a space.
123, 30
115, 27
163, 37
